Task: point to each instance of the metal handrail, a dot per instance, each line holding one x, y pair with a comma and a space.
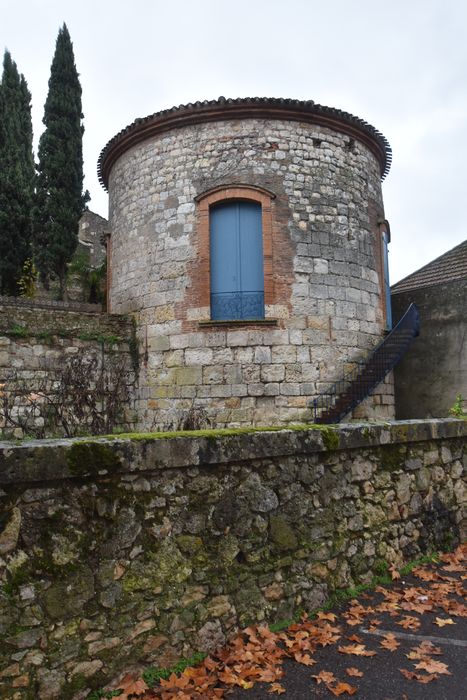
355, 386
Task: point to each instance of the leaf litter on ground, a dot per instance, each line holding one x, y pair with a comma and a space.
257, 654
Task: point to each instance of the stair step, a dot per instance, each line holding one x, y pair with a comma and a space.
384, 358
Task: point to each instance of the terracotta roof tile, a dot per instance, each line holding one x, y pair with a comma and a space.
223, 108
447, 268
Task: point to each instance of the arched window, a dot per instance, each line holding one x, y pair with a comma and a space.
236, 257
234, 264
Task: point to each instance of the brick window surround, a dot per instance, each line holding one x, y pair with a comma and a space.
236, 193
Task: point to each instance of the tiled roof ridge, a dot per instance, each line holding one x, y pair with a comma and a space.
417, 279
197, 109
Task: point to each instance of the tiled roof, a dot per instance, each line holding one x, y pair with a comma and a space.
447, 268
238, 108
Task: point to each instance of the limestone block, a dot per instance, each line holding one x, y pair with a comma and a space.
243, 355
188, 375
272, 373
284, 354
233, 374
157, 343
271, 389
262, 355
164, 313
235, 338
200, 356
251, 373
213, 374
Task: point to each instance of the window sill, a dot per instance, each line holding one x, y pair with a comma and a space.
240, 322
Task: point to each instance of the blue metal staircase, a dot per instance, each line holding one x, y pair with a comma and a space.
343, 396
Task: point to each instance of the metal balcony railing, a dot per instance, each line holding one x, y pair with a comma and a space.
345, 394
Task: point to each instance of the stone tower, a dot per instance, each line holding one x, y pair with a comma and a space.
247, 239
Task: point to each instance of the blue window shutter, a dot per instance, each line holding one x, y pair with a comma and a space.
387, 286
237, 278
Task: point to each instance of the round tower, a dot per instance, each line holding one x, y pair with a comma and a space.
248, 240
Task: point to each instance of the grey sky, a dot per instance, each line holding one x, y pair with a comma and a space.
400, 65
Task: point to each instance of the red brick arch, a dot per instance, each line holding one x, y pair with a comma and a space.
223, 194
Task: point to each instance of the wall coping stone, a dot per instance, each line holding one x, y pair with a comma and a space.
100, 457
50, 304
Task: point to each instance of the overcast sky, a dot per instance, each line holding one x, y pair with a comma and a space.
400, 65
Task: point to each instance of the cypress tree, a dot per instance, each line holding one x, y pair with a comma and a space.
16, 176
59, 197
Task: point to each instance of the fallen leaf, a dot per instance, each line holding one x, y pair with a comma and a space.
426, 678
395, 575
324, 677
353, 672
433, 666
342, 688
409, 623
443, 622
410, 675
454, 567
132, 687
304, 659
356, 649
326, 616
276, 688
355, 638
390, 642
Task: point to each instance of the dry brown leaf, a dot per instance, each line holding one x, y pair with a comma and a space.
356, 649
331, 617
422, 678
374, 621
390, 642
425, 574
355, 638
268, 675
443, 622
324, 677
304, 659
454, 568
428, 649
433, 666
132, 687
276, 688
210, 663
410, 675
352, 671
395, 575
342, 688
409, 623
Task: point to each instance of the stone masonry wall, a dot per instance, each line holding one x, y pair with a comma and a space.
326, 309
64, 372
431, 375
115, 552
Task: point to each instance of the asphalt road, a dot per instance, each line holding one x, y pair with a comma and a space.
382, 679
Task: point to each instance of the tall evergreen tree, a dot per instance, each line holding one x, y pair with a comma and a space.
16, 175
59, 197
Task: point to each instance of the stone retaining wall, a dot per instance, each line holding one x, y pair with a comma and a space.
138, 550
62, 370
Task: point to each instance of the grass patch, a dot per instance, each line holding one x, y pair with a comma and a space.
152, 675
432, 558
107, 694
